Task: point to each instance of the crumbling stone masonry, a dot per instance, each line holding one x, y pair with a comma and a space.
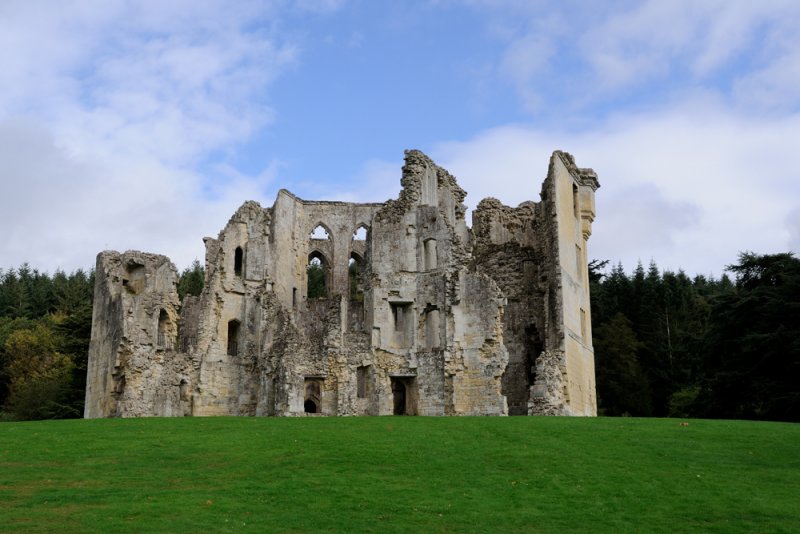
419, 315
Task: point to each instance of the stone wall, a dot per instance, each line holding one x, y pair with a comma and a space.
434, 318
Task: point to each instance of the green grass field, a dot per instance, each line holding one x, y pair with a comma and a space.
404, 474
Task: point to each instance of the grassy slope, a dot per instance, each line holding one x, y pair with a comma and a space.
399, 474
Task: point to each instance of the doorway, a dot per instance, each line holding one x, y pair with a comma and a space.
399, 396
404, 398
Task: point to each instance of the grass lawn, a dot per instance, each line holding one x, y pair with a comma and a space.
404, 474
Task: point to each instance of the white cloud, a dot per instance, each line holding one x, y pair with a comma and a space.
747, 50
58, 211
108, 114
689, 186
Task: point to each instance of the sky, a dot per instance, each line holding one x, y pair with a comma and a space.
145, 124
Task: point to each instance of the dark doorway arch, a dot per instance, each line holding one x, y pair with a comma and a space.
399, 396
312, 399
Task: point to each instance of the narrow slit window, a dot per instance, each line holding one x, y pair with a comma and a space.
233, 337
575, 201
584, 326
238, 260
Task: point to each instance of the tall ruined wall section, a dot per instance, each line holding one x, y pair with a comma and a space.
133, 370
505, 246
438, 320
537, 254
261, 340
222, 329
436, 325
565, 378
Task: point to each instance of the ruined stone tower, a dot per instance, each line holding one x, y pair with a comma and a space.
419, 314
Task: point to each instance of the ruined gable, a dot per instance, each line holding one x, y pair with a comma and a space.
414, 313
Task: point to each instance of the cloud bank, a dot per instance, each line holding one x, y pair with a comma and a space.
116, 120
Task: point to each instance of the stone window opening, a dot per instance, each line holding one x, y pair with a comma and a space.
401, 320
320, 231
134, 282
430, 253
312, 397
361, 233
579, 262
184, 390
362, 372
317, 276
238, 257
164, 340
354, 269
575, 201
234, 326
584, 327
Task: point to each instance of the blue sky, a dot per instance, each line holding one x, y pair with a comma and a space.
143, 125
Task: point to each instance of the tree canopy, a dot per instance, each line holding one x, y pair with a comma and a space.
670, 345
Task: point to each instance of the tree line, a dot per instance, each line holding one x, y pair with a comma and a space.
665, 344
45, 327
670, 345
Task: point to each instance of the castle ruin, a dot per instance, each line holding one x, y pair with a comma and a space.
415, 313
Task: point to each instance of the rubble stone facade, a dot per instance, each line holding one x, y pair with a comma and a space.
420, 314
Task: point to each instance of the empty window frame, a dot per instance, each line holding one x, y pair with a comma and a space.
575, 201
584, 326
234, 326
238, 261
164, 338
402, 322
318, 276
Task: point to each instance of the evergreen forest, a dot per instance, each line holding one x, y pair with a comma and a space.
666, 344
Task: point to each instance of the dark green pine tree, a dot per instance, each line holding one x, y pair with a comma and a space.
752, 370
192, 280
622, 387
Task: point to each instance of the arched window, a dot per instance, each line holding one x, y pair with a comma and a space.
238, 259
318, 272
358, 249
320, 231
354, 270
361, 233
